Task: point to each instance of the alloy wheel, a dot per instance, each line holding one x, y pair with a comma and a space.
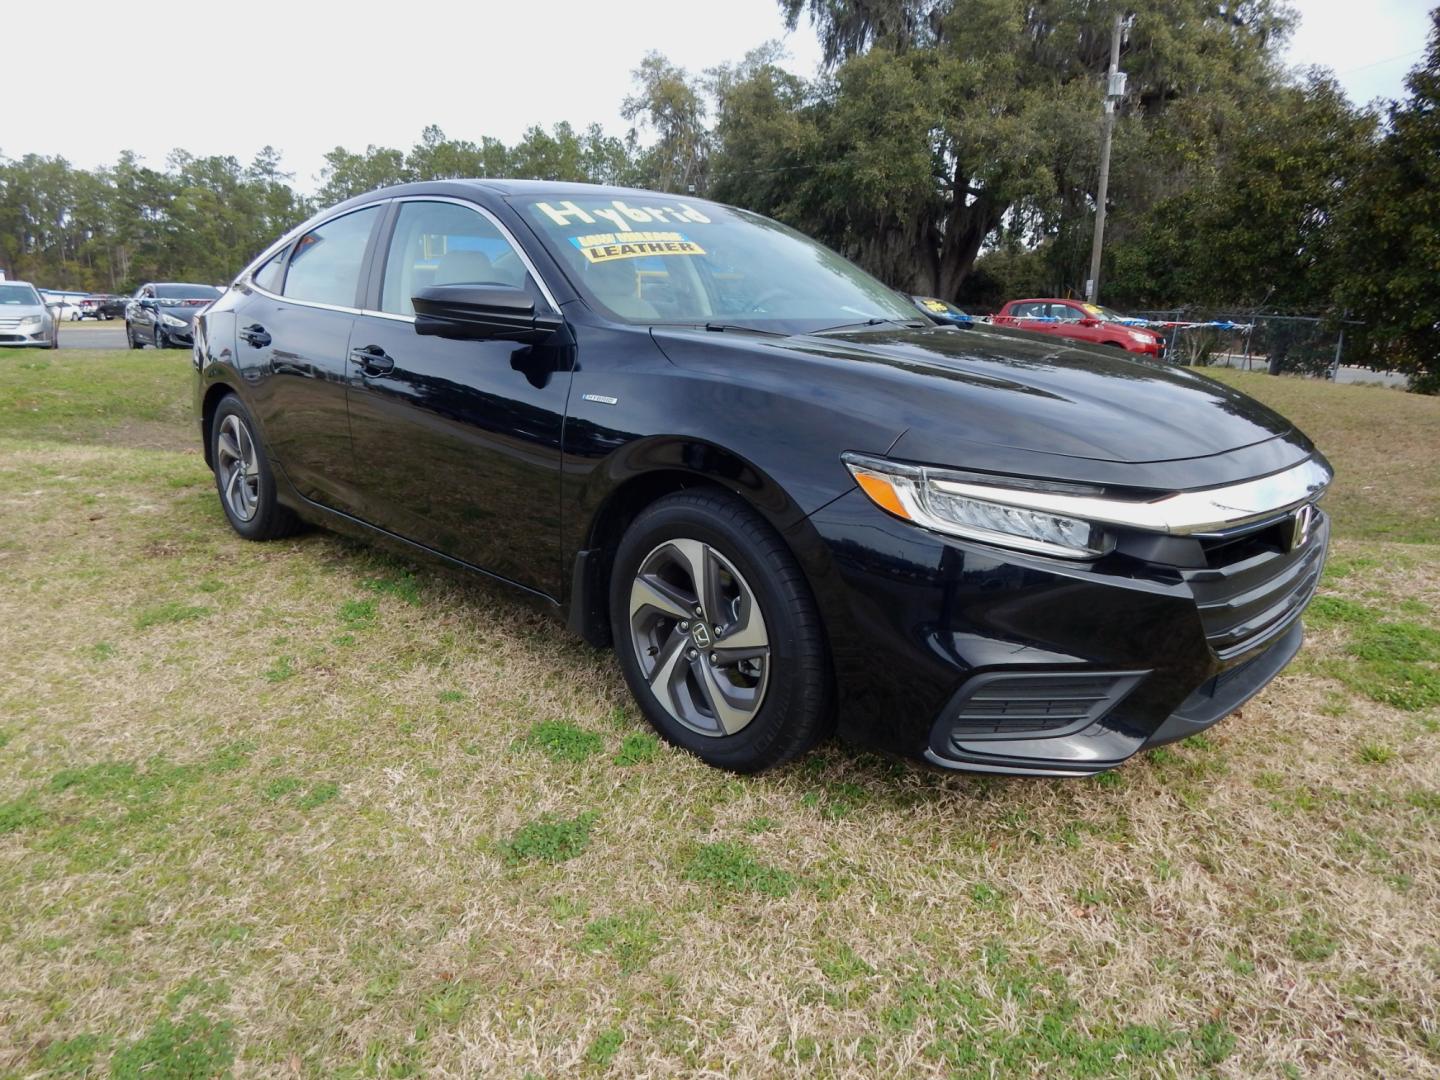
700, 637
238, 468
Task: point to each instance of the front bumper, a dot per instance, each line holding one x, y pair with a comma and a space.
984, 660
179, 335
14, 339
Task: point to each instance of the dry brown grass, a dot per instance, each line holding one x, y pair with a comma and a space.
265, 808
1382, 442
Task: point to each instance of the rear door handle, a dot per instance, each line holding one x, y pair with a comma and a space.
255, 335
372, 360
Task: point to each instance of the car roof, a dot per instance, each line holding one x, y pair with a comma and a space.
560, 187
506, 188
12, 281
1045, 300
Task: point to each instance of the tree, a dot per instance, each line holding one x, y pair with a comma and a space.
947, 124
1390, 236
1256, 222
669, 103
347, 174
199, 219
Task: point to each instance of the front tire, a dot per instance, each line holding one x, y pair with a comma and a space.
243, 477
717, 633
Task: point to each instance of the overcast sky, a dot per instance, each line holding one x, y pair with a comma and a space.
88, 78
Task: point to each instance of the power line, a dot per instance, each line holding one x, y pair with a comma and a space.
1378, 63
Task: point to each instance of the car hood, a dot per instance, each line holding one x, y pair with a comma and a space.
22, 311
983, 398
185, 309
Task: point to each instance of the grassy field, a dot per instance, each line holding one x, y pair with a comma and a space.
300, 809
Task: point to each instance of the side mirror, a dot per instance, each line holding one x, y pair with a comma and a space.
482, 313
1089, 322
147, 302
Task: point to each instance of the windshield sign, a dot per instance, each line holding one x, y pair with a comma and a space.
679, 263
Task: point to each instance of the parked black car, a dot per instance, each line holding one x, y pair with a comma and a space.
788, 501
162, 314
103, 307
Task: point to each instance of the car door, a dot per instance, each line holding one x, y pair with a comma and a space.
142, 317
1031, 316
1072, 322
457, 443
293, 335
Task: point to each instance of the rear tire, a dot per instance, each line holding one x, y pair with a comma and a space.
747, 684
243, 477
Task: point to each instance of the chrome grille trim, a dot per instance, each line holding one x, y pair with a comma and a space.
1186, 513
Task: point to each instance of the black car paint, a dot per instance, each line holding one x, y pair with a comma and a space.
524, 462
142, 320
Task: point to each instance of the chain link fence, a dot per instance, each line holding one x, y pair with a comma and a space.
1290, 344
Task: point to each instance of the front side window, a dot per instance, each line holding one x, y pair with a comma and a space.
1065, 313
325, 267
666, 260
439, 243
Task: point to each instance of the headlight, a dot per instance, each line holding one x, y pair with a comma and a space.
1144, 339
1075, 521
31, 323
951, 504
170, 320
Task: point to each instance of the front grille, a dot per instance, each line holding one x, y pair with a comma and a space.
1253, 588
9, 324
1010, 703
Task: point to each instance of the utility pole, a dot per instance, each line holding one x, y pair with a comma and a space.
1114, 91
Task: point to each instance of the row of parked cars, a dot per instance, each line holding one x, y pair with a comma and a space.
160, 314
1071, 319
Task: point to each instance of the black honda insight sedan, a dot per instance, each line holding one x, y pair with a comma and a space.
791, 504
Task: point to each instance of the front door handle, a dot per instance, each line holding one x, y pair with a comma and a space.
255, 335
373, 360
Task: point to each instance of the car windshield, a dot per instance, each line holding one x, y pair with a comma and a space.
186, 292
936, 306
18, 294
664, 260
1105, 314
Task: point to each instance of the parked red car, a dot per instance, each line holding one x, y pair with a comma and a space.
1081, 322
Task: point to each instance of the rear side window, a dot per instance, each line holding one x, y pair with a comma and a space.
272, 275
437, 243
325, 267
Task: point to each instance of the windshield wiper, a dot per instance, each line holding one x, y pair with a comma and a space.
876, 321
719, 327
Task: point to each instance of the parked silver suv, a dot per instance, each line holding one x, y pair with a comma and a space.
24, 318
